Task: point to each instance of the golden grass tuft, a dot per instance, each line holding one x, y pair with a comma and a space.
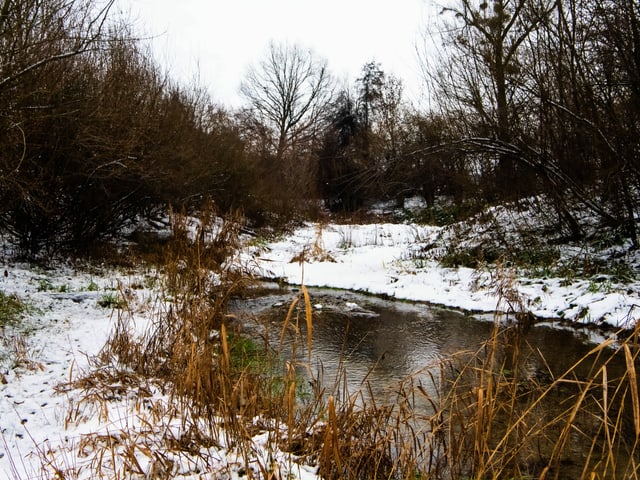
476, 414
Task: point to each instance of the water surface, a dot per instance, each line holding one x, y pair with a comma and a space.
378, 346
384, 341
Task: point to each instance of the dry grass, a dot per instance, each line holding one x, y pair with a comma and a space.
193, 388
492, 417
498, 422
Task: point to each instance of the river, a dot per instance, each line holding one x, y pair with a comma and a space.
368, 344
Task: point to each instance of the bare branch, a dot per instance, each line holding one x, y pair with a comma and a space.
288, 92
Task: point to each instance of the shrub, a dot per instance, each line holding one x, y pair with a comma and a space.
112, 300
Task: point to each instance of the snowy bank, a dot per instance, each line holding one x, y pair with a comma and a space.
49, 428
389, 259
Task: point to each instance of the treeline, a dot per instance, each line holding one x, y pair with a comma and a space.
94, 136
528, 98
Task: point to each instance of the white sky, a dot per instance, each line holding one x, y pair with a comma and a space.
217, 40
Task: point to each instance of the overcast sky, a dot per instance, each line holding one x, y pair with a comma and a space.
219, 39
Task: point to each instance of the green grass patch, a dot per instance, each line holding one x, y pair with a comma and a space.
45, 285
246, 354
111, 300
12, 308
538, 261
250, 357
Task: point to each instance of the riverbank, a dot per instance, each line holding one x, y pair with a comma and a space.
48, 425
402, 261
63, 414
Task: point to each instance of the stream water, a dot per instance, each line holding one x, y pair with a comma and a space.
365, 340
385, 340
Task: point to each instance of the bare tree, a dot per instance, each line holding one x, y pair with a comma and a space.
34, 33
483, 70
587, 83
547, 92
288, 92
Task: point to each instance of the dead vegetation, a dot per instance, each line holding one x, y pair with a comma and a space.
188, 395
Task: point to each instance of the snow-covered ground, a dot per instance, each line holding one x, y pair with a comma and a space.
388, 259
45, 425
48, 427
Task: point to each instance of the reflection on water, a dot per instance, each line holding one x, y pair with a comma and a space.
385, 341
381, 343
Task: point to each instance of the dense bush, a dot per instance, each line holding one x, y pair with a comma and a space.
95, 136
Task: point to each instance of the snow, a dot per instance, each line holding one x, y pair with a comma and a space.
379, 259
45, 425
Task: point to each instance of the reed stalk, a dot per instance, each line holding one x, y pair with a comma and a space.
477, 414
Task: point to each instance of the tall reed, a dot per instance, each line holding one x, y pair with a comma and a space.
476, 414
